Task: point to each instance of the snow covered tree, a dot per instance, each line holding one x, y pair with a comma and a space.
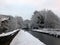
45, 19
26, 24
19, 21
37, 20
7, 23
51, 20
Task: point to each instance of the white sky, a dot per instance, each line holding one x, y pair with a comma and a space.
25, 8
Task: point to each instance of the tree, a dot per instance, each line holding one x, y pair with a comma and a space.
45, 19
19, 22
37, 20
12, 23
51, 20
26, 24
7, 23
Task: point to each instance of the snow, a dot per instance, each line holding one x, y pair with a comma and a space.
2, 19
25, 38
8, 33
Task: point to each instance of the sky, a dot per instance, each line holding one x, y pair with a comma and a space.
25, 8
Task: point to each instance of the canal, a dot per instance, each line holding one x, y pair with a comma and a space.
45, 38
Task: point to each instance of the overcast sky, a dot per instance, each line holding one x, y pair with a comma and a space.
25, 8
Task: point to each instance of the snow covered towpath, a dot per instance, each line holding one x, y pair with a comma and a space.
25, 38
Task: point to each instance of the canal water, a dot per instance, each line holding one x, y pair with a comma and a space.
47, 39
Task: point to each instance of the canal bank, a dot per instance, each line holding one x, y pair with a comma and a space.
45, 38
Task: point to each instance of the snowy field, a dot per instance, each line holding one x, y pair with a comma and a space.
25, 38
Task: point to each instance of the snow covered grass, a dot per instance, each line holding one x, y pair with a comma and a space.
25, 38
8, 33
